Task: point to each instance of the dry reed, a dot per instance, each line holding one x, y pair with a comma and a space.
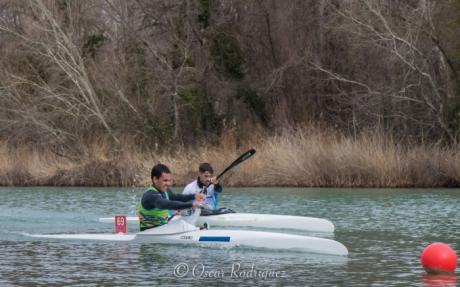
303, 157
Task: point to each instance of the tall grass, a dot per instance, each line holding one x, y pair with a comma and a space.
302, 157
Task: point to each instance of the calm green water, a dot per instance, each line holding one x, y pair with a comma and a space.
385, 231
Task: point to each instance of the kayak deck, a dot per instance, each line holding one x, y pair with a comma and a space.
89, 236
269, 221
256, 220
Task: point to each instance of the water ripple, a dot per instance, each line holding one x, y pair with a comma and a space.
385, 231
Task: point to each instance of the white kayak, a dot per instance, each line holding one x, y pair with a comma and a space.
271, 221
230, 238
181, 232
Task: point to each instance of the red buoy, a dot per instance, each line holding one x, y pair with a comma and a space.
439, 258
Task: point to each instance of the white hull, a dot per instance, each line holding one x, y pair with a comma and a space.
257, 239
89, 236
269, 221
256, 220
229, 238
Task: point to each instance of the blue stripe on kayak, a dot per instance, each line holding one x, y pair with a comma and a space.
215, 238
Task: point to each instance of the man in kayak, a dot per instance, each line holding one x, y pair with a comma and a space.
208, 185
158, 202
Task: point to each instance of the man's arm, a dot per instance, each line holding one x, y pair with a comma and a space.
180, 197
217, 185
150, 201
218, 188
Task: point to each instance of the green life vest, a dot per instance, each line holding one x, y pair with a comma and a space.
149, 218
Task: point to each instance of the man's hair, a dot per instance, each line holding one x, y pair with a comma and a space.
204, 167
158, 170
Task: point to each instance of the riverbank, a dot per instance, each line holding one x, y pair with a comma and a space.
308, 157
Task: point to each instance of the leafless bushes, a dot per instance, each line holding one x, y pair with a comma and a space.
163, 72
401, 78
48, 94
173, 76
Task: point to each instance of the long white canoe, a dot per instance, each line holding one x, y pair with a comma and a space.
255, 220
225, 238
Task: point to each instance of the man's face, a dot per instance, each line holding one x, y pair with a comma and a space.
205, 177
163, 182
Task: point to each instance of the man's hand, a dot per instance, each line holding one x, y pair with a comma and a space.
200, 197
197, 204
214, 180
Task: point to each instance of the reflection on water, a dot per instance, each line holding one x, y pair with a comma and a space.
439, 280
384, 230
132, 210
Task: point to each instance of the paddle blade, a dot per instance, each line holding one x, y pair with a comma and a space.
239, 160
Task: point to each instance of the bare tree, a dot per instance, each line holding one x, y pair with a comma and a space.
407, 55
45, 37
171, 71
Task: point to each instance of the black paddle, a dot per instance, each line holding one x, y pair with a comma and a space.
237, 161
